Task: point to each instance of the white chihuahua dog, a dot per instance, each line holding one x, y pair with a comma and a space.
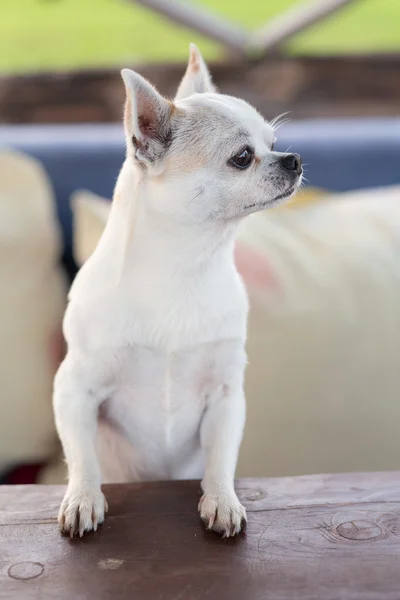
152, 385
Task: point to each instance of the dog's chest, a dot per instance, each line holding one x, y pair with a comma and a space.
159, 400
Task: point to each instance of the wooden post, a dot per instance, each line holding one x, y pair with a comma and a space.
198, 19
300, 17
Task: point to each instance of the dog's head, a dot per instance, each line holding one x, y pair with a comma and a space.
205, 155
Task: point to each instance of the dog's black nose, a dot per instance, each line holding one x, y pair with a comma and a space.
292, 162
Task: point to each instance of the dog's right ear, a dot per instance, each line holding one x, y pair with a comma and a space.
147, 118
197, 79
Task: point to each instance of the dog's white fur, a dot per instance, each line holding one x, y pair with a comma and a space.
156, 324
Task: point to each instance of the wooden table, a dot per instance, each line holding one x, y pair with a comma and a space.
330, 537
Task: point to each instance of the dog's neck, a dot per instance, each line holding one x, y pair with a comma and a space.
158, 242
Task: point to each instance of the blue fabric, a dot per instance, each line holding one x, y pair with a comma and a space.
339, 154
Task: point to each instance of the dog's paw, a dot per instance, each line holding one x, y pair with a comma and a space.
223, 514
81, 510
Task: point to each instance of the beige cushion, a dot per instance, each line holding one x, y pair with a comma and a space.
32, 302
90, 215
323, 379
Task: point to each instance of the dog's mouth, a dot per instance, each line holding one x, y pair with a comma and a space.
282, 196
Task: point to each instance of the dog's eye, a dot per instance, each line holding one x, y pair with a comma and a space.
243, 159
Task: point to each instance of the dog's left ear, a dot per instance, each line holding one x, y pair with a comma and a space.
197, 79
147, 118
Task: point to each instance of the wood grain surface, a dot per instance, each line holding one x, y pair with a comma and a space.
328, 537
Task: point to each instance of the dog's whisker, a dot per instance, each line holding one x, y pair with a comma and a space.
278, 125
197, 195
276, 120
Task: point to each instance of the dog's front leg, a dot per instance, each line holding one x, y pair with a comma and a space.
75, 408
221, 434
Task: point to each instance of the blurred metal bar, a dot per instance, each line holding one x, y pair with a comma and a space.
193, 17
279, 30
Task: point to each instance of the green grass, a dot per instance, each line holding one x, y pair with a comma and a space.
60, 34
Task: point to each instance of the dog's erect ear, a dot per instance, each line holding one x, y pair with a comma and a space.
147, 118
197, 79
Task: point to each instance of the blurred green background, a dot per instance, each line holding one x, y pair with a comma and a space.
59, 34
